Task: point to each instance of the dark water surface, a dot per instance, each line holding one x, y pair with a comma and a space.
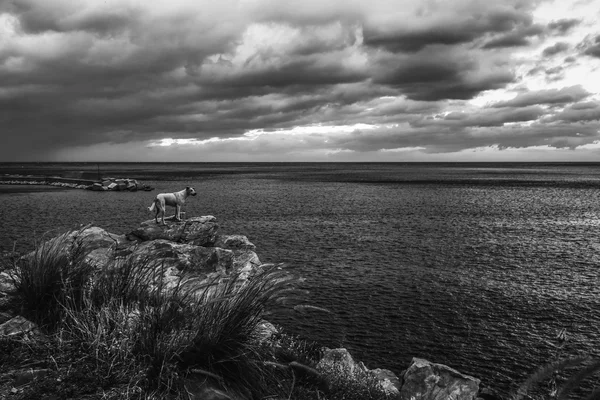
477, 266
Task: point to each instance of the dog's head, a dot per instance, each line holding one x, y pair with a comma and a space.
190, 191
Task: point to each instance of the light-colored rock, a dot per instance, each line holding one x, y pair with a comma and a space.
174, 261
245, 260
6, 283
234, 242
94, 245
424, 380
98, 258
171, 253
340, 359
200, 231
389, 382
93, 238
20, 326
341, 363
264, 330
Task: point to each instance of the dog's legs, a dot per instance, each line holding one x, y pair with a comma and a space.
177, 212
160, 209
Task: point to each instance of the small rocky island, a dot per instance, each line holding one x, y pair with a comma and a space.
100, 185
194, 249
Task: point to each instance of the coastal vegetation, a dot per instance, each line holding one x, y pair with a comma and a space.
127, 331
121, 333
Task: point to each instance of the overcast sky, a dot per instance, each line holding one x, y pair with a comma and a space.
311, 80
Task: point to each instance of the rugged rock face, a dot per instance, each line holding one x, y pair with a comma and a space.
428, 381
176, 251
199, 231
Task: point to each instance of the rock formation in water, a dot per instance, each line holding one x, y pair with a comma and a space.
193, 248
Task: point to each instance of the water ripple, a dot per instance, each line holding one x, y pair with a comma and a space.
478, 277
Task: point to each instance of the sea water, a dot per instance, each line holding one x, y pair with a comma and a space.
477, 266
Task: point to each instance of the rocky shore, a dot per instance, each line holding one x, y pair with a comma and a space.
105, 184
194, 249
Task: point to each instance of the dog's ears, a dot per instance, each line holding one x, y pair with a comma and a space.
187, 188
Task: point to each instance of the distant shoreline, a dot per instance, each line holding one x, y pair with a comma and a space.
27, 180
20, 188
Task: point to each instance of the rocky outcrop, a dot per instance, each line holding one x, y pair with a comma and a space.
199, 231
173, 253
107, 184
93, 245
118, 184
341, 361
424, 380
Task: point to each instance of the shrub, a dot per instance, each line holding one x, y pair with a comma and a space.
198, 328
225, 320
50, 276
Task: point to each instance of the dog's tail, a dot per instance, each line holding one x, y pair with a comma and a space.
152, 207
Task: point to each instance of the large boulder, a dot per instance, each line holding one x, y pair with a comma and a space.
340, 359
340, 363
186, 257
200, 231
245, 260
176, 251
170, 263
93, 245
389, 382
424, 380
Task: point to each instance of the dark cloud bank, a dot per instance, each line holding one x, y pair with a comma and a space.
81, 74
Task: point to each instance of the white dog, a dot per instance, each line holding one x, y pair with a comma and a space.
170, 199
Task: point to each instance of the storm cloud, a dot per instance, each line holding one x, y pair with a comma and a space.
261, 79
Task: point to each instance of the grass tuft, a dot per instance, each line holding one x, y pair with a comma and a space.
50, 276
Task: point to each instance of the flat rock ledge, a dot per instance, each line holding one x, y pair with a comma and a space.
194, 248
